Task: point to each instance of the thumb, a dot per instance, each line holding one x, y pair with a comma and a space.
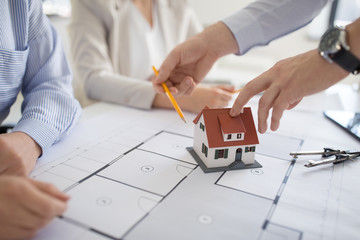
169, 64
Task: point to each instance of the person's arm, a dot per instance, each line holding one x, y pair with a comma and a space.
93, 65
291, 79
189, 62
203, 95
49, 108
257, 24
353, 35
27, 205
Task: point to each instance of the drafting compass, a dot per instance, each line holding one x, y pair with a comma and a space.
337, 156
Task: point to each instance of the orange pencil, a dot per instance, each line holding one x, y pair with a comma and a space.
171, 98
236, 91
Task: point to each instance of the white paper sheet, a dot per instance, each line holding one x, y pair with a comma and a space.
148, 171
130, 177
113, 208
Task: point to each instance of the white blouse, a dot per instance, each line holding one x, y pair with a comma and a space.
148, 46
113, 47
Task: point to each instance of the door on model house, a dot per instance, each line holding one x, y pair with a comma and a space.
238, 154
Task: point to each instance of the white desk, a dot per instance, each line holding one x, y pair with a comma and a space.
130, 177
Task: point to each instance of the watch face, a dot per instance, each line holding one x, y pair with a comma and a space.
329, 41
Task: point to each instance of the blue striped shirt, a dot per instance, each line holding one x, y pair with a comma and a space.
32, 61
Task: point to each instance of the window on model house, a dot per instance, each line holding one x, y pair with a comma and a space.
221, 153
202, 126
228, 136
238, 136
250, 149
204, 149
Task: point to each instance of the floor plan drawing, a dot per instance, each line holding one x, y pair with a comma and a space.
134, 179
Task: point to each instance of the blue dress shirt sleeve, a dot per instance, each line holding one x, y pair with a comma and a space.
265, 20
49, 109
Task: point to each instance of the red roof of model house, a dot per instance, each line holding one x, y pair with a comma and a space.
219, 121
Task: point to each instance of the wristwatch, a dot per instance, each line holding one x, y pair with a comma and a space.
333, 48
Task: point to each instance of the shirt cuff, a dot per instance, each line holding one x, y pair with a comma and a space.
146, 96
246, 30
139, 95
39, 131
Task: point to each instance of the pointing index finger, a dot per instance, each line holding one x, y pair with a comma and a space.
252, 88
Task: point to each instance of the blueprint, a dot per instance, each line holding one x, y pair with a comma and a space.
129, 176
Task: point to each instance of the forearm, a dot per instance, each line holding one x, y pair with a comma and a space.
337, 73
162, 101
353, 37
115, 88
49, 113
49, 109
186, 103
203, 95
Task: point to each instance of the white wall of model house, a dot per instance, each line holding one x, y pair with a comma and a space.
200, 138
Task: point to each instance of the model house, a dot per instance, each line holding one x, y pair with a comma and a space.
222, 142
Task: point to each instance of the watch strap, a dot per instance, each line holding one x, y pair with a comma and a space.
347, 61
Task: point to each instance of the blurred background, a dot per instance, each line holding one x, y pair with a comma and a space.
234, 69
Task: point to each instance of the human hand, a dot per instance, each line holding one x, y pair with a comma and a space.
18, 153
27, 205
188, 63
185, 66
285, 84
211, 96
